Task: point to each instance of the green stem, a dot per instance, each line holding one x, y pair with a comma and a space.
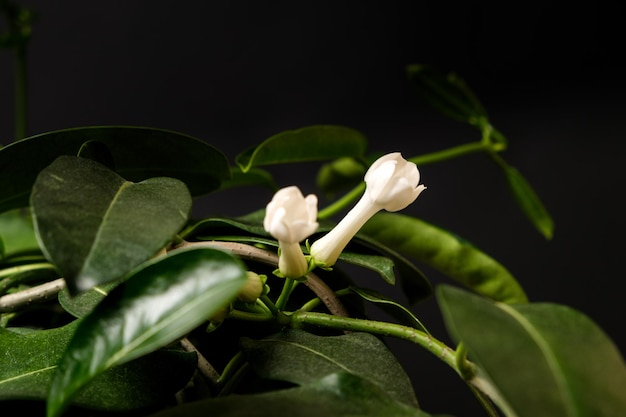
315, 302
248, 316
288, 287
430, 158
230, 373
342, 203
436, 347
267, 302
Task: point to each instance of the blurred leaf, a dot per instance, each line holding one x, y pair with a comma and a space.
30, 358
253, 178
97, 151
446, 253
312, 143
447, 93
301, 358
391, 307
17, 233
139, 153
96, 227
544, 359
338, 394
340, 175
158, 304
529, 202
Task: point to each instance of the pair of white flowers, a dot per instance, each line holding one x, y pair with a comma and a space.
392, 183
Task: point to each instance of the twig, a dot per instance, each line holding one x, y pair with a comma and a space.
204, 366
39, 293
315, 283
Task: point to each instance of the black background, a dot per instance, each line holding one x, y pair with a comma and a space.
236, 72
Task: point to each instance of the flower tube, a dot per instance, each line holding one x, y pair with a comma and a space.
290, 218
392, 183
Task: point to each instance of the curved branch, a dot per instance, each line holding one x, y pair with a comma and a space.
249, 252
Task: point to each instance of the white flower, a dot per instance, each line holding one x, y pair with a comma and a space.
392, 183
291, 218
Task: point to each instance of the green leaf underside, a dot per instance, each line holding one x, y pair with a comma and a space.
337, 394
446, 253
396, 310
562, 362
155, 306
312, 143
380, 264
82, 304
529, 202
139, 153
96, 226
30, 360
300, 357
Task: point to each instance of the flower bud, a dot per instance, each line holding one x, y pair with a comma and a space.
290, 218
392, 183
252, 289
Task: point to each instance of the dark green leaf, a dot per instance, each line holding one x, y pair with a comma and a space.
529, 202
253, 178
216, 226
544, 359
446, 253
392, 307
30, 359
339, 394
312, 143
97, 151
380, 264
158, 304
447, 93
300, 357
139, 153
96, 227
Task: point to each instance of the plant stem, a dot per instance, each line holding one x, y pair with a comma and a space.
39, 293
204, 366
342, 203
436, 347
288, 287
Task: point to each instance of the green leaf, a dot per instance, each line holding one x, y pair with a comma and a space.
158, 304
300, 357
253, 178
529, 202
380, 264
447, 93
30, 359
338, 394
82, 304
17, 233
96, 227
446, 253
544, 359
396, 310
139, 153
312, 143
340, 175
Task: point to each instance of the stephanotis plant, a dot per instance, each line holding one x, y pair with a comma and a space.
114, 300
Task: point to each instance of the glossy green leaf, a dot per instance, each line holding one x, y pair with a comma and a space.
529, 202
139, 153
29, 360
17, 233
300, 357
340, 175
544, 359
253, 178
396, 310
339, 394
312, 143
158, 304
446, 253
96, 226
447, 93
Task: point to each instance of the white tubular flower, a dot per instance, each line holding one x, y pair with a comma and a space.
392, 183
291, 218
